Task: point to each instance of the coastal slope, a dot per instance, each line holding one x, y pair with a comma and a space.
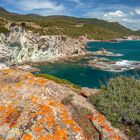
31, 108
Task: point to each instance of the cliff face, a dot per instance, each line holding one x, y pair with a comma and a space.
24, 46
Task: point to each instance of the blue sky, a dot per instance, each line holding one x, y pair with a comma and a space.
126, 12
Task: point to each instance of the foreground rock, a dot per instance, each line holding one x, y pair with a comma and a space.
3, 66
31, 109
25, 46
28, 111
86, 92
27, 68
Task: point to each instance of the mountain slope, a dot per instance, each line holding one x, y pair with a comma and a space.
71, 26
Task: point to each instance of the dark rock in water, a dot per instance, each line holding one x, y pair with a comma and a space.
104, 52
114, 66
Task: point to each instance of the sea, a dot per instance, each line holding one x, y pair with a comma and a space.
79, 72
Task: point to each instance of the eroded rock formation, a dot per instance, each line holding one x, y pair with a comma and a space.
25, 46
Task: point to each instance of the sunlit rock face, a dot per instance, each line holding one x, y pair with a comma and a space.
34, 108
29, 111
28, 47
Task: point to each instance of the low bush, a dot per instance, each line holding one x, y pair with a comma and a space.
119, 101
66, 101
80, 115
3, 30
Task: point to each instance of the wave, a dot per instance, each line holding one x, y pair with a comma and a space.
115, 66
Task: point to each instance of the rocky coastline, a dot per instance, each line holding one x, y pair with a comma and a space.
113, 66
21, 46
115, 40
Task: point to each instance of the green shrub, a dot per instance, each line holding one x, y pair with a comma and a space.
119, 101
67, 100
75, 87
3, 30
80, 115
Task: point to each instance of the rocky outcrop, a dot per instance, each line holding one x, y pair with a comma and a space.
104, 52
133, 37
25, 46
31, 109
114, 66
86, 92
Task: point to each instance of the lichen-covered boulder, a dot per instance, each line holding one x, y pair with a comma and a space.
28, 111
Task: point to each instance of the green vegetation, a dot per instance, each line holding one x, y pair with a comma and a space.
71, 26
3, 29
61, 81
80, 115
67, 101
119, 101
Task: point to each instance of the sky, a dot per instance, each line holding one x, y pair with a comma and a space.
126, 12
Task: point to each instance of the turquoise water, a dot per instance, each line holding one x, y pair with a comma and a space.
80, 73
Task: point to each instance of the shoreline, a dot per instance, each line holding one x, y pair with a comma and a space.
111, 41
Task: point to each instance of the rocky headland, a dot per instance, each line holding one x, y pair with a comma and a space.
23, 46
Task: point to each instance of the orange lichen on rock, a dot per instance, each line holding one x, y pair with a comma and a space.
34, 99
12, 118
9, 116
61, 134
41, 81
29, 112
38, 129
2, 108
107, 132
27, 137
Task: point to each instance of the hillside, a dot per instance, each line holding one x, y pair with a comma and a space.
70, 26
138, 32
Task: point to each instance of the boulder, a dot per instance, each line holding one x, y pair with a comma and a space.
86, 92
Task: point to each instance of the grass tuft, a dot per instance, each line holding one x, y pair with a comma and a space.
75, 87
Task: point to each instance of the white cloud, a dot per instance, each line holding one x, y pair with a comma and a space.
76, 1
137, 10
132, 13
116, 14
42, 7
127, 18
37, 4
29, 5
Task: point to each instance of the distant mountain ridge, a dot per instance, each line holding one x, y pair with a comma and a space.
71, 26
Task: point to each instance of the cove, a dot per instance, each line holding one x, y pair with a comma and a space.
80, 73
